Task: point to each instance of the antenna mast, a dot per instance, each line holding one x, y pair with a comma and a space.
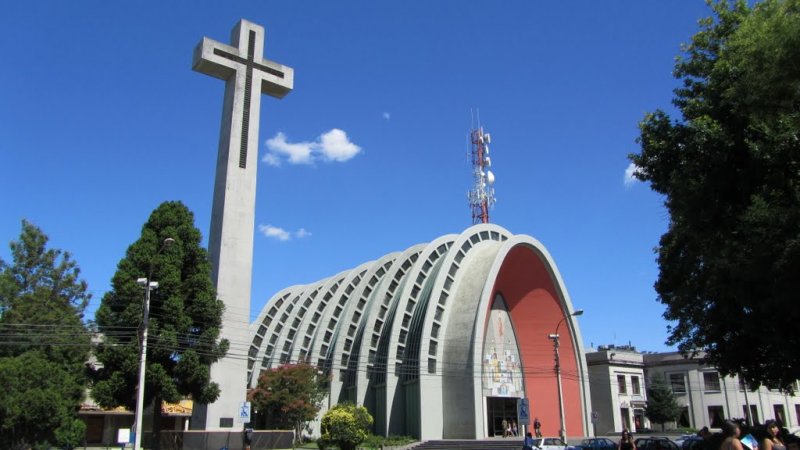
481, 196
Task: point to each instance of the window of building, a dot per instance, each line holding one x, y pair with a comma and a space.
683, 419
716, 416
742, 384
711, 381
753, 416
780, 414
797, 413
677, 383
621, 383
636, 389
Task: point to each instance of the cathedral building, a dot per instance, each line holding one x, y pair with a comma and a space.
442, 340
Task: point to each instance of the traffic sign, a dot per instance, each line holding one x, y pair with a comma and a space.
523, 412
244, 412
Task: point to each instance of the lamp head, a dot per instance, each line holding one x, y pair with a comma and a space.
577, 312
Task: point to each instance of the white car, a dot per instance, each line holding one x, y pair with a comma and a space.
550, 443
679, 440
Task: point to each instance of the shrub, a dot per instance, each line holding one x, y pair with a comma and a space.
346, 426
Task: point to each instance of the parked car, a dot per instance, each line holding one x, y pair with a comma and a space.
693, 442
655, 443
679, 440
551, 443
597, 444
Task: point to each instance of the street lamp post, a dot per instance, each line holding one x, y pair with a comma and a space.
148, 286
554, 338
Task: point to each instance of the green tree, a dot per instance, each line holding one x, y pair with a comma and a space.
43, 301
661, 404
288, 396
38, 403
185, 318
729, 169
345, 425
45, 344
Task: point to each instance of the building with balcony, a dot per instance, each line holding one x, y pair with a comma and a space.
708, 398
617, 384
619, 376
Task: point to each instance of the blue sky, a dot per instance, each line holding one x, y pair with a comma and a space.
102, 119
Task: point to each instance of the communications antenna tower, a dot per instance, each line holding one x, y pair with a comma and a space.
481, 196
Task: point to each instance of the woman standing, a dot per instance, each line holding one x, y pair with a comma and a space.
731, 432
626, 443
773, 440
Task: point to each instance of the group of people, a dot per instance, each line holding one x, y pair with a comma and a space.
527, 443
509, 428
731, 438
772, 439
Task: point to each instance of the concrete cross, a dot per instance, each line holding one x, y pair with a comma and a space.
244, 65
230, 243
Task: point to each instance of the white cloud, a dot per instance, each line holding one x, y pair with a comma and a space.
299, 153
280, 234
271, 159
332, 145
336, 147
274, 232
387, 115
629, 179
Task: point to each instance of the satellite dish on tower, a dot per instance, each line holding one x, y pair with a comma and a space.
490, 177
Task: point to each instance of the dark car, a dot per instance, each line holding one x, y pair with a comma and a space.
597, 444
693, 443
655, 443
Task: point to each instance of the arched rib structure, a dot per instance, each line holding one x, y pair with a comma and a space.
406, 335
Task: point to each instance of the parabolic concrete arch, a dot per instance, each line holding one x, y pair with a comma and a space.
441, 340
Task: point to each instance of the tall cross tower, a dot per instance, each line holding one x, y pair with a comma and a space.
230, 244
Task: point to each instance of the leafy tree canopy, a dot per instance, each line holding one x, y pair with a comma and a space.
730, 171
43, 300
45, 345
345, 425
288, 396
185, 317
661, 404
38, 403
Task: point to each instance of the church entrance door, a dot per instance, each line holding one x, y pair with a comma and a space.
499, 408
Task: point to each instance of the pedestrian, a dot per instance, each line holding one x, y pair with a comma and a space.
773, 439
514, 429
731, 432
537, 427
505, 427
527, 443
626, 442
